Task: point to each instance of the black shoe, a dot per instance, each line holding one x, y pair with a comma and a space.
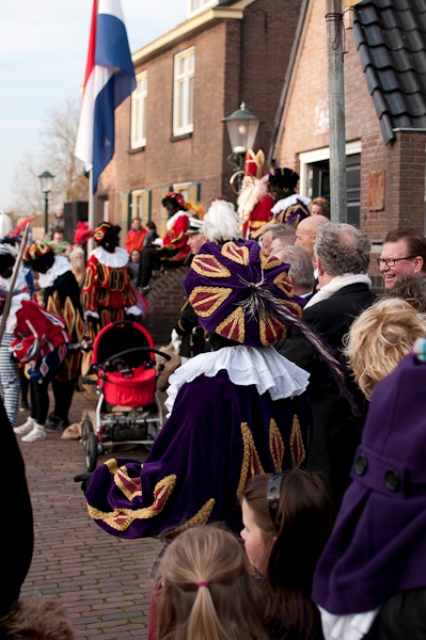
53, 420
24, 406
57, 426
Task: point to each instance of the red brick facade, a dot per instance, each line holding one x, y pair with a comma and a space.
235, 60
393, 175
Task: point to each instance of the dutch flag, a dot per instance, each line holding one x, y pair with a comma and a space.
109, 79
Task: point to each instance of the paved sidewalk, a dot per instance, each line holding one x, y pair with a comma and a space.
104, 582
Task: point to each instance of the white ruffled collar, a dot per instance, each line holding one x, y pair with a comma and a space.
116, 260
287, 202
171, 221
21, 283
263, 367
60, 265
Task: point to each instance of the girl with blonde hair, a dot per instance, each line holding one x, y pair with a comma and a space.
380, 338
207, 592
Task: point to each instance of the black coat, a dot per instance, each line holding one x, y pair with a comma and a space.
337, 432
403, 617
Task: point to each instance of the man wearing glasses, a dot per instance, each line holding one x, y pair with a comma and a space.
403, 254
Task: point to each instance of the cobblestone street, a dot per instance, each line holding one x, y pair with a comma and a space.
104, 582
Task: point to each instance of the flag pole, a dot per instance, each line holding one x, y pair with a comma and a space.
91, 212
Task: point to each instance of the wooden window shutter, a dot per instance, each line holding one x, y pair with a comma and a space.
124, 216
164, 216
146, 205
194, 192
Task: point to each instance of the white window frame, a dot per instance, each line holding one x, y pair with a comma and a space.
310, 157
183, 93
138, 112
137, 197
197, 6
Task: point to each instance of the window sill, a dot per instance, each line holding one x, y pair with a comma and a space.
182, 136
136, 150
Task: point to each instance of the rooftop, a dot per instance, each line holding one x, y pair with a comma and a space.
390, 36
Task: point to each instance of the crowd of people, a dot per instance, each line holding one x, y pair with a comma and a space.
287, 482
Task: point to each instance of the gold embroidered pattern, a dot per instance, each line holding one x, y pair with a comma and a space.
235, 253
251, 465
201, 517
205, 300
283, 283
276, 446
121, 519
209, 266
268, 262
233, 327
271, 330
298, 453
130, 487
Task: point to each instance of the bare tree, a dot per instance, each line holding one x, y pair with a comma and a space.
57, 144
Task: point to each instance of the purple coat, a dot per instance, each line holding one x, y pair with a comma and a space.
218, 436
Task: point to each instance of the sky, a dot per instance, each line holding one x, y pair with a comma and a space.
43, 48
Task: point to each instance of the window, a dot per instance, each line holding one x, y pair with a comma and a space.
183, 102
138, 118
141, 205
315, 177
196, 6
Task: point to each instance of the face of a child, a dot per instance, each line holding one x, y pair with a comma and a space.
257, 548
134, 256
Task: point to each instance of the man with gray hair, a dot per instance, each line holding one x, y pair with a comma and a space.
342, 253
277, 235
301, 271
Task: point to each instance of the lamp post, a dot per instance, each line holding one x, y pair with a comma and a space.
46, 179
242, 126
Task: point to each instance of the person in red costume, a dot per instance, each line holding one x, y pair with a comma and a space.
107, 291
254, 202
171, 250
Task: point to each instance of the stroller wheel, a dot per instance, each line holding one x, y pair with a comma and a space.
90, 445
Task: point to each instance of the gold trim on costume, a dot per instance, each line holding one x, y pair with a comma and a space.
121, 519
268, 262
209, 266
201, 517
276, 445
209, 297
237, 254
233, 327
282, 281
298, 453
251, 465
130, 487
271, 330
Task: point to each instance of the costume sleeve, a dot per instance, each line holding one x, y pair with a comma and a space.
293, 214
63, 300
200, 460
90, 286
176, 235
16, 532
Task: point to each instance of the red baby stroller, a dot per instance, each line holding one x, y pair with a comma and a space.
128, 408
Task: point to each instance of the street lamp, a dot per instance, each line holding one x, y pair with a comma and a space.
46, 179
242, 128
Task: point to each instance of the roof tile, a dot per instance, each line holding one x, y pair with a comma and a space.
390, 36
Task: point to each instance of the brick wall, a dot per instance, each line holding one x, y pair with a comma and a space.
235, 60
166, 299
401, 165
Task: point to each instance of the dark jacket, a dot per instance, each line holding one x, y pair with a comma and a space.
402, 617
336, 431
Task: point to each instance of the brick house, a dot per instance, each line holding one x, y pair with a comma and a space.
385, 104
170, 134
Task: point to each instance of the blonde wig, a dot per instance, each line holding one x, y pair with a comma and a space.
207, 591
379, 338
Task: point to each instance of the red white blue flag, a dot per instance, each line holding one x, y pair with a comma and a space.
109, 79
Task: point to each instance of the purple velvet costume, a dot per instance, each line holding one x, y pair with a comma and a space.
218, 435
